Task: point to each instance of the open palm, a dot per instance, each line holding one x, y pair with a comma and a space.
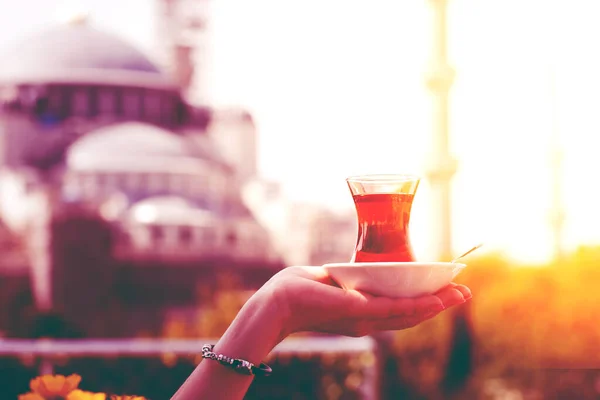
311, 301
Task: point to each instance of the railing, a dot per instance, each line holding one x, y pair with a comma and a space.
51, 356
145, 347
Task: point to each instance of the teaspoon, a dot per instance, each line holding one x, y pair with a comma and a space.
467, 252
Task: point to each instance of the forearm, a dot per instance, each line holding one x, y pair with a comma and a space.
251, 336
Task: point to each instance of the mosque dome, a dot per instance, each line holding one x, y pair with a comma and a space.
139, 147
78, 53
171, 210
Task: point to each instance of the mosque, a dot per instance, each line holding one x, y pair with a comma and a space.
124, 195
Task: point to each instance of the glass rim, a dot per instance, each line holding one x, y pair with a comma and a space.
383, 178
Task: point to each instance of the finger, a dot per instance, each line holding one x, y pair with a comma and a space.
450, 296
348, 303
385, 307
466, 292
355, 304
428, 304
337, 300
404, 322
382, 307
318, 274
397, 307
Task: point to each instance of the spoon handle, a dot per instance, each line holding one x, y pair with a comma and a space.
467, 252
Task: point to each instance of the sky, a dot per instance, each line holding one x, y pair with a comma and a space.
337, 89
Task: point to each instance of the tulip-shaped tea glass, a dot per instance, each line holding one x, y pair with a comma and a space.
383, 204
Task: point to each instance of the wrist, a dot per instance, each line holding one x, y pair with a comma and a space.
252, 335
276, 294
256, 330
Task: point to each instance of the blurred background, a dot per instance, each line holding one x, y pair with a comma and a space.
161, 159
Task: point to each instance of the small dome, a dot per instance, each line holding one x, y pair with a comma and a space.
170, 210
73, 53
135, 146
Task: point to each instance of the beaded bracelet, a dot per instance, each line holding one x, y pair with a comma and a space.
241, 366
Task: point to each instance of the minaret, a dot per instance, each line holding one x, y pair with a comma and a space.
557, 211
38, 246
183, 36
442, 165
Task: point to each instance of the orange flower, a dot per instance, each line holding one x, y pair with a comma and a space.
49, 386
78, 394
126, 397
30, 396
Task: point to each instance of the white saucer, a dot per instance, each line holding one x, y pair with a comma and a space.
395, 279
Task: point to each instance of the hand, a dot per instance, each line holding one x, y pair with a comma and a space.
309, 300
306, 299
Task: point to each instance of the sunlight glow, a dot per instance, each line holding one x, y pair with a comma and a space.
338, 88
355, 102
71, 11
